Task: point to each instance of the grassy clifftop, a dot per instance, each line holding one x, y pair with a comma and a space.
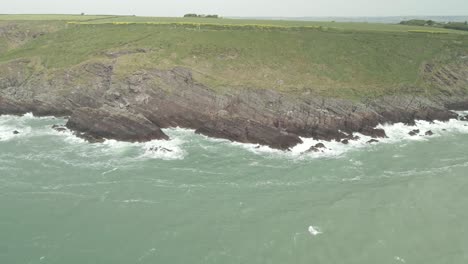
333, 59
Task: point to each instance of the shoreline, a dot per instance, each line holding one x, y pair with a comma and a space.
135, 109
175, 148
97, 125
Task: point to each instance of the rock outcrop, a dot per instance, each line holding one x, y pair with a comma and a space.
136, 107
97, 124
414, 132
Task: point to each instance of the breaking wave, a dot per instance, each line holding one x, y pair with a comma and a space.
398, 132
177, 148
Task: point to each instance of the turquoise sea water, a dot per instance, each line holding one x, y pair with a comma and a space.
211, 201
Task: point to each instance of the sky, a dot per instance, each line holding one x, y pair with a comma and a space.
255, 8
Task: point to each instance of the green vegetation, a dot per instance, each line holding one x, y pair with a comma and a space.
418, 22
457, 26
52, 17
430, 23
335, 59
283, 23
201, 16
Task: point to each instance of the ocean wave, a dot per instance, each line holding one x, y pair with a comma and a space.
396, 133
183, 139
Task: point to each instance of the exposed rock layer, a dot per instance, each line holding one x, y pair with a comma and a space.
97, 124
136, 107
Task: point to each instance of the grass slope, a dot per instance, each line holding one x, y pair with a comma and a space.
334, 59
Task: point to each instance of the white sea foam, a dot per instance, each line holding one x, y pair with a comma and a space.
27, 126
166, 150
9, 124
314, 231
400, 259
398, 132
30, 126
181, 139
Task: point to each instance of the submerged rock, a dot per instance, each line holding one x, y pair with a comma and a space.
320, 145
16, 132
316, 148
414, 132
312, 149
345, 141
94, 125
161, 149
372, 141
429, 133
59, 128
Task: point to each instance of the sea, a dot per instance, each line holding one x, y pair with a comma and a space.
194, 199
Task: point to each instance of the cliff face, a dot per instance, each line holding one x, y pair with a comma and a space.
127, 82
136, 107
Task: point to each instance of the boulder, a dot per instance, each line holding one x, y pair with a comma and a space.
429, 133
320, 145
94, 125
312, 149
414, 132
16, 132
373, 132
372, 141
316, 148
345, 141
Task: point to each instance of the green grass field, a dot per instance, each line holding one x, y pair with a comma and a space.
101, 19
51, 17
333, 59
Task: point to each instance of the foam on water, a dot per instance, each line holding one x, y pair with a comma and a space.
29, 126
8, 124
398, 132
314, 231
176, 147
155, 149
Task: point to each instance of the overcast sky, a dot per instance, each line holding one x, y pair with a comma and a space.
285, 8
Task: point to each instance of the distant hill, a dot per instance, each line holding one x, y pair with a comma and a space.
388, 20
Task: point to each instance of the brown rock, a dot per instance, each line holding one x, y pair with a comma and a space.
96, 124
59, 128
312, 149
316, 148
414, 132
247, 131
373, 132
320, 145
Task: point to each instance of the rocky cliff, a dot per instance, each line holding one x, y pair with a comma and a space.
103, 103
135, 108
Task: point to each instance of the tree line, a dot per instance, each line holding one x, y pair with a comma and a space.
431, 23
201, 16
